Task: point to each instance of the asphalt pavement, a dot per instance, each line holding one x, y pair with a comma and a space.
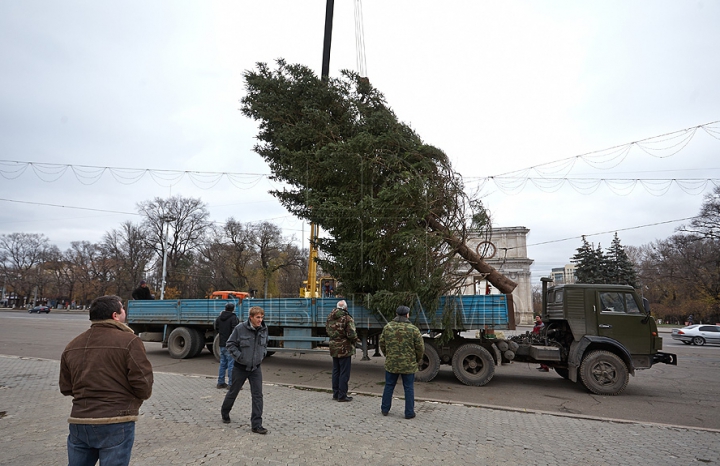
181, 424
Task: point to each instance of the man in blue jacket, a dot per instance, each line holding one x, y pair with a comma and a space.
248, 346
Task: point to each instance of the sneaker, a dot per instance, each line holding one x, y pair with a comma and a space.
384, 413
260, 430
347, 398
222, 385
410, 416
226, 419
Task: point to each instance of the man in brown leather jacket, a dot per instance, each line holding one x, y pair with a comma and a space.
107, 373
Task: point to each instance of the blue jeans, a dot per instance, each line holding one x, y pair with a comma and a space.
226, 364
408, 381
110, 443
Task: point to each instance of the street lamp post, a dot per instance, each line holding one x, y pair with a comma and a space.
165, 251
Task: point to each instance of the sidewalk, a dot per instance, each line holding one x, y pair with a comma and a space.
181, 424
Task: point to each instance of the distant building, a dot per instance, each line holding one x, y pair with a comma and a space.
506, 251
563, 275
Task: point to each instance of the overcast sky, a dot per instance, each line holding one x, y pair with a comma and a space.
499, 86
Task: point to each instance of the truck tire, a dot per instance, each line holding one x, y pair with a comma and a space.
199, 342
181, 343
604, 373
216, 347
473, 365
429, 366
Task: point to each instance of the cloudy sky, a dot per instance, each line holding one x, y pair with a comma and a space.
499, 86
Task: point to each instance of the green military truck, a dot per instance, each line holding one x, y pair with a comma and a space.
597, 334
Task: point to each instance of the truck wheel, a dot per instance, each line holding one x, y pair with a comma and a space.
429, 366
604, 373
216, 347
562, 372
180, 343
199, 342
473, 365
699, 341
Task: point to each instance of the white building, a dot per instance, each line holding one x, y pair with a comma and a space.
506, 251
563, 275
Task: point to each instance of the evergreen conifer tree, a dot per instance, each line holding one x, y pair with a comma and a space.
584, 258
395, 212
620, 270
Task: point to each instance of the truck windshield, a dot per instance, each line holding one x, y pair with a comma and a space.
618, 302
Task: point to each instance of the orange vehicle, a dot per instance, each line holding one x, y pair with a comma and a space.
239, 295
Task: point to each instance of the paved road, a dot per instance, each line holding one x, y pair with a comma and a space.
684, 395
180, 424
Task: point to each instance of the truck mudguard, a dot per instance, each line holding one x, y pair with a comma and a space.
577, 350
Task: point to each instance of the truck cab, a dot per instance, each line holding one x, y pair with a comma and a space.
605, 331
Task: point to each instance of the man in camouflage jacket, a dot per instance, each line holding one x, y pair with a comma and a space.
403, 347
340, 328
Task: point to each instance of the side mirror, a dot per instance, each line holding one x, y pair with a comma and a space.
646, 305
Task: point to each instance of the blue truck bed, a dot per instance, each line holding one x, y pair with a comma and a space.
470, 312
185, 326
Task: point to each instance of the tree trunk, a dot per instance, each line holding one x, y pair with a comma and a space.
500, 281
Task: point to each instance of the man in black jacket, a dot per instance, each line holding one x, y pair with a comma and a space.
225, 324
142, 291
248, 346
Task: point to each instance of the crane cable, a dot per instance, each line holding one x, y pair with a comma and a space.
360, 40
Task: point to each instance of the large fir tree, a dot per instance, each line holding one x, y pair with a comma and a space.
394, 211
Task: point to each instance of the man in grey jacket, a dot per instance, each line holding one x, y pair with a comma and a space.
248, 346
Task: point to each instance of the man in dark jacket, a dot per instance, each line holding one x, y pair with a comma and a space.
248, 346
142, 291
224, 324
340, 328
107, 373
403, 347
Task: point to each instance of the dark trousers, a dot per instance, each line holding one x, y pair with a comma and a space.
240, 374
340, 377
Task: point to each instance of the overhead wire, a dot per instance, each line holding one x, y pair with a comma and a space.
674, 141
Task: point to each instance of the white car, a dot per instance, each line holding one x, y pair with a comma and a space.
697, 334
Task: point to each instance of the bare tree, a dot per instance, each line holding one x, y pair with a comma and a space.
126, 248
92, 273
21, 255
186, 222
274, 252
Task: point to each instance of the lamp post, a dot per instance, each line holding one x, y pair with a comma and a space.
166, 220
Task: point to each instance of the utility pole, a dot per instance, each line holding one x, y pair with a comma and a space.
329, 8
311, 290
165, 252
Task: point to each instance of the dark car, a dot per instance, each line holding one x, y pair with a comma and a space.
39, 309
